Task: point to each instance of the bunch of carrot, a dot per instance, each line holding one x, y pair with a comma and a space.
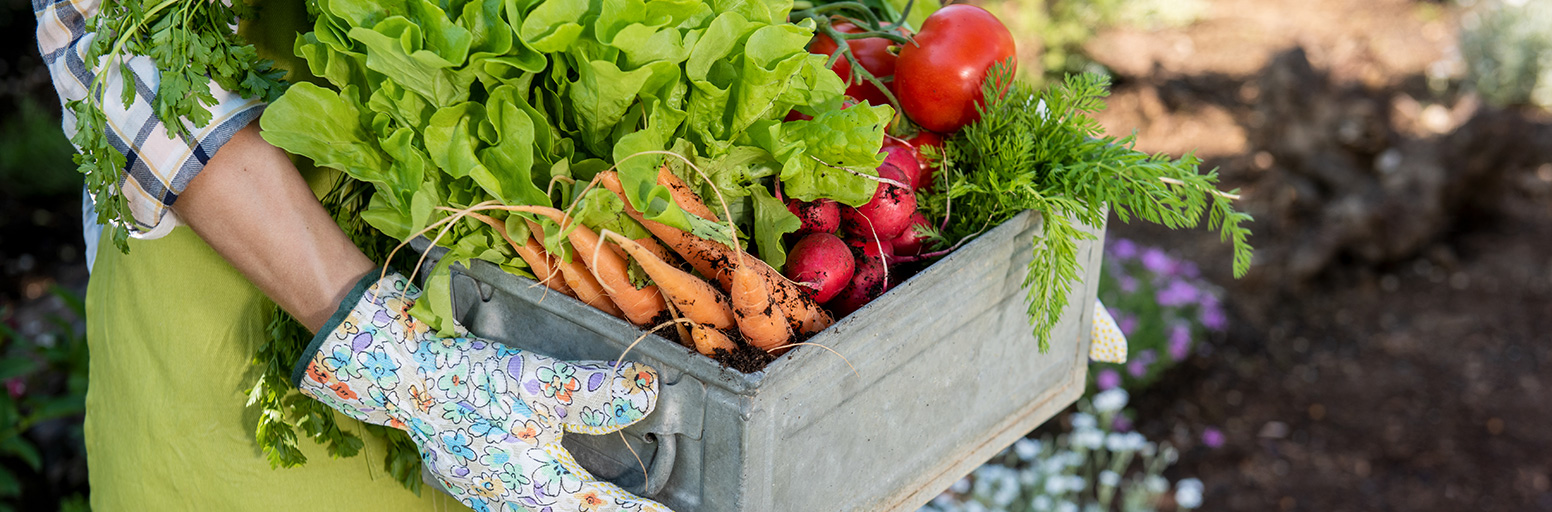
740, 297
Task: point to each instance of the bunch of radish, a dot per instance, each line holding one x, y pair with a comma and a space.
849, 256
845, 255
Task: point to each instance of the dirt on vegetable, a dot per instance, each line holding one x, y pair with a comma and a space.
745, 358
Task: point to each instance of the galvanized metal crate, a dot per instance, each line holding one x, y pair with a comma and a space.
946, 375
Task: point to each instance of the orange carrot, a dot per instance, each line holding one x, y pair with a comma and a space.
657, 249
708, 340
712, 260
532, 253
764, 325
641, 306
683, 195
551, 276
581, 281
694, 298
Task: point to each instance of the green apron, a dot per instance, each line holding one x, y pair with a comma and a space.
172, 329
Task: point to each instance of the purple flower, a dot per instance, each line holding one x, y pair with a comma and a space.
1121, 423
1123, 249
1212, 313
1157, 262
1127, 323
1128, 283
1178, 293
1148, 356
1137, 368
1107, 379
1213, 318
1212, 437
1179, 341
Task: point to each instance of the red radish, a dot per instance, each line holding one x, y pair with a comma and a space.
903, 156
819, 216
887, 214
867, 283
868, 247
794, 115
910, 243
928, 172
823, 261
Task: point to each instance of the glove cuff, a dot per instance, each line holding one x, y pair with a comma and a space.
346, 305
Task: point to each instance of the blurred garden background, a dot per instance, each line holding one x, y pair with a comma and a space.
1387, 351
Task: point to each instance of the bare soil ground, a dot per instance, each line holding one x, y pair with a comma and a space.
1390, 348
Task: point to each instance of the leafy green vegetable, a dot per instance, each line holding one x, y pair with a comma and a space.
1042, 151
442, 106
772, 220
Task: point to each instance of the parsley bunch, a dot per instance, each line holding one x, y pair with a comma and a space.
192, 43
1043, 151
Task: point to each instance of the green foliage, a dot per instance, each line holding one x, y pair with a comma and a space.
34, 155
1508, 51
31, 371
1042, 151
191, 43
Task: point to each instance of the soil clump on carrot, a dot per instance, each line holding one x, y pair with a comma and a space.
745, 358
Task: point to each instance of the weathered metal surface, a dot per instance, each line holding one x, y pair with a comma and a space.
946, 374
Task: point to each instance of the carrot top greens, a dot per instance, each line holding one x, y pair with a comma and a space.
1042, 150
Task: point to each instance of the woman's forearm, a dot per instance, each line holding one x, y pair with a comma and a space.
253, 207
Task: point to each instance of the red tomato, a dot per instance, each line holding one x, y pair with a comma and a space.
938, 79
872, 52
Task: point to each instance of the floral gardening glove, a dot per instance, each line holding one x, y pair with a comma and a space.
488, 418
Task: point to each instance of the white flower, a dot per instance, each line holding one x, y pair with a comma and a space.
1066, 506
1042, 503
1116, 442
1110, 400
1156, 484
1109, 478
1026, 448
1055, 485
974, 506
1083, 420
1088, 438
1188, 493
1072, 459
944, 501
1006, 489
1076, 483
1133, 441
960, 487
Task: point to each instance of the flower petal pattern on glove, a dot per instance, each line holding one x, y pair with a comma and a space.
488, 418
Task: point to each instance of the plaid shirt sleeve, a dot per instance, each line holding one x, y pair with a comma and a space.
157, 166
